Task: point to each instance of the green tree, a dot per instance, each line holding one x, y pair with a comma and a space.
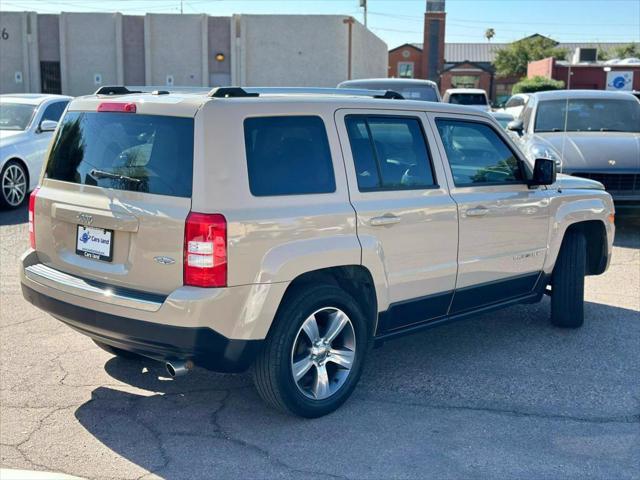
537, 84
512, 60
627, 51
489, 33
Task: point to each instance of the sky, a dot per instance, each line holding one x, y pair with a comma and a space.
401, 21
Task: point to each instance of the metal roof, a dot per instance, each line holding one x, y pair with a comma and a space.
486, 52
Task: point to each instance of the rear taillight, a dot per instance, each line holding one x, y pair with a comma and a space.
205, 250
32, 218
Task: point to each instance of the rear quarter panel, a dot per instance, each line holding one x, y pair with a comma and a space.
270, 238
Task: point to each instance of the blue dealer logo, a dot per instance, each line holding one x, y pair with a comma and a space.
84, 238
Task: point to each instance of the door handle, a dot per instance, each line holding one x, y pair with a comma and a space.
387, 219
477, 212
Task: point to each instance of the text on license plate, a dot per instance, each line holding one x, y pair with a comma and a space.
95, 243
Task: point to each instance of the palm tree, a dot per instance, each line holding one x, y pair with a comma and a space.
489, 33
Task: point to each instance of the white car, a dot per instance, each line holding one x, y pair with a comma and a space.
515, 104
471, 97
27, 122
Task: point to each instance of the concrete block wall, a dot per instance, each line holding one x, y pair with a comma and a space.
19, 63
176, 50
96, 49
302, 50
90, 51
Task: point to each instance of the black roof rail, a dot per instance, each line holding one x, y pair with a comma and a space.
390, 94
228, 92
238, 92
115, 90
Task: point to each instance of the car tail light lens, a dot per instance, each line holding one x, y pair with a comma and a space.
205, 250
122, 107
32, 218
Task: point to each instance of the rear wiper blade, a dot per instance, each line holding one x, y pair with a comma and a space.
97, 173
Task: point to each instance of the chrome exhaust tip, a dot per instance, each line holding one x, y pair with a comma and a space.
177, 368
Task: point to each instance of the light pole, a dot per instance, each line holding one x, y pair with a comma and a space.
363, 4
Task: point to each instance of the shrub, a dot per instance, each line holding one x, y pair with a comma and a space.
537, 84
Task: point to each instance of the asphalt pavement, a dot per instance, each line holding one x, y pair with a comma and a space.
505, 396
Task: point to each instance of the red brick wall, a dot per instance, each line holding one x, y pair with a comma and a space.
396, 56
583, 76
541, 68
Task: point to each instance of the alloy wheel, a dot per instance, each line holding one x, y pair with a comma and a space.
14, 185
323, 353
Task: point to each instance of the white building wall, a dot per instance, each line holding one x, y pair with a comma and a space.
19, 63
176, 47
301, 50
90, 51
370, 55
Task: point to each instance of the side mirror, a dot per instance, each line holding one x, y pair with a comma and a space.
516, 126
47, 126
544, 172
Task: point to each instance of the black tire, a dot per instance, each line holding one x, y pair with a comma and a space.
7, 201
567, 293
118, 352
272, 370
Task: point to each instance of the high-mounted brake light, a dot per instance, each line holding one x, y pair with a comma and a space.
32, 218
117, 107
205, 250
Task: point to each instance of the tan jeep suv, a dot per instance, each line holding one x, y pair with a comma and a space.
289, 231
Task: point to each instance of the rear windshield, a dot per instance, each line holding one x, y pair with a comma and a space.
468, 99
426, 93
15, 116
124, 151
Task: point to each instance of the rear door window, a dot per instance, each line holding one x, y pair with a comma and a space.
389, 153
124, 151
288, 155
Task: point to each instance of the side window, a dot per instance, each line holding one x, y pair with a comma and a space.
477, 155
288, 155
389, 153
54, 111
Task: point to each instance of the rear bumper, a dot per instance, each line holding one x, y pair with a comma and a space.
202, 345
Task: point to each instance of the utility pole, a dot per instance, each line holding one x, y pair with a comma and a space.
180, 7
349, 21
363, 4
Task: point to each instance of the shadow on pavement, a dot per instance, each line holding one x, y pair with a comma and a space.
627, 229
176, 429
16, 216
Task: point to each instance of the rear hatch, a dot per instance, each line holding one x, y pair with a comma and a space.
115, 195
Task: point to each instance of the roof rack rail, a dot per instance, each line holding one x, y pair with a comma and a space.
228, 92
239, 92
115, 90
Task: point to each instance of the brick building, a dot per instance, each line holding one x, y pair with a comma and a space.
590, 76
459, 65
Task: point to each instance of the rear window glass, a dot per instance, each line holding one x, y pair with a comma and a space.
425, 93
124, 151
288, 156
468, 99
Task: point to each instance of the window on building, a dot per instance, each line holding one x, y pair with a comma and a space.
405, 69
288, 155
389, 153
465, 81
477, 154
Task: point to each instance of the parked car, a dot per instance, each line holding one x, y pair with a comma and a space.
469, 97
409, 88
591, 133
27, 122
515, 104
502, 118
288, 232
